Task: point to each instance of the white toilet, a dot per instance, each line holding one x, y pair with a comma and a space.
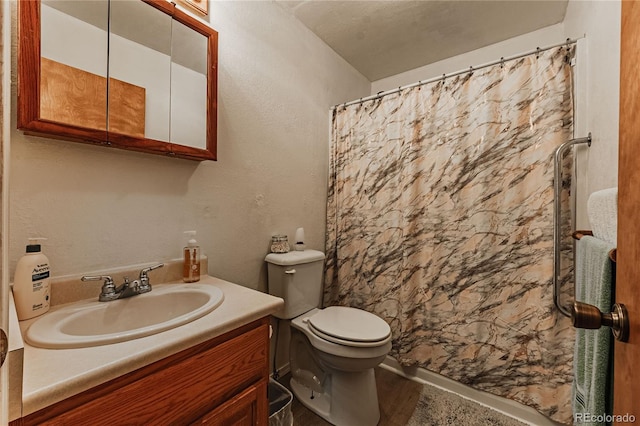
333, 350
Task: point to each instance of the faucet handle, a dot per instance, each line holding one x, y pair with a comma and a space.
107, 279
143, 273
144, 278
107, 288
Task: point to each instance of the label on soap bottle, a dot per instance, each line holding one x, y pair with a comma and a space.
191, 266
40, 282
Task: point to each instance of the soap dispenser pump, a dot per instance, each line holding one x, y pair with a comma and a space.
191, 267
31, 282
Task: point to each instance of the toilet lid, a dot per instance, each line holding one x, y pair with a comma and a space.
349, 324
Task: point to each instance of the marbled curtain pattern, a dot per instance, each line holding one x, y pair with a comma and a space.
439, 220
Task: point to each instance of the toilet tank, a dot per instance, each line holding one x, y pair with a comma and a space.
296, 277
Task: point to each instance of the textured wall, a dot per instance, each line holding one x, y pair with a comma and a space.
102, 208
543, 37
597, 96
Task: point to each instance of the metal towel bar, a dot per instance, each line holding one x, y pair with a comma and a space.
557, 217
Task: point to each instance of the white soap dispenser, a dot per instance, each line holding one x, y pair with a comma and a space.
300, 246
31, 282
191, 267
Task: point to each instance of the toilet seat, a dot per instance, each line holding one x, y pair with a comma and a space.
349, 327
339, 347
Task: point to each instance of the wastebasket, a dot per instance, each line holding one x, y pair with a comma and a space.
279, 404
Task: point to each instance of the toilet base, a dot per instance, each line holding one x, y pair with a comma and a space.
352, 398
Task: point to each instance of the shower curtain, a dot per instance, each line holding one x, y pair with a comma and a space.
439, 220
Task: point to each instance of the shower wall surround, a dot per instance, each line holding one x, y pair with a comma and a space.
439, 220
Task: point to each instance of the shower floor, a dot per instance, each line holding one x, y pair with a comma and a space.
404, 402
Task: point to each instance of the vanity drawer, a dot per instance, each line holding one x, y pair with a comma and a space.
241, 410
176, 390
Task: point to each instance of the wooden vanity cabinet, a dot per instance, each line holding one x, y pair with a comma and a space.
219, 382
242, 410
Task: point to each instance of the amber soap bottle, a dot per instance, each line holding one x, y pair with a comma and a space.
191, 266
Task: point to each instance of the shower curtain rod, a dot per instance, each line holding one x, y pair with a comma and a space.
537, 50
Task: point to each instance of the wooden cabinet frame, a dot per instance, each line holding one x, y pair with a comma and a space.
29, 73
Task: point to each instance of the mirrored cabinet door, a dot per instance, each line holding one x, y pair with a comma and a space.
188, 87
73, 64
62, 68
194, 85
139, 71
138, 75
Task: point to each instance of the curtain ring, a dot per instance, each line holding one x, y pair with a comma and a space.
537, 52
502, 62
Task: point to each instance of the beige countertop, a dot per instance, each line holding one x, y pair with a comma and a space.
52, 375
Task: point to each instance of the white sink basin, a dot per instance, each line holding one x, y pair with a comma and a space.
99, 323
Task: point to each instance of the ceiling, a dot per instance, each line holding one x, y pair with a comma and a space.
384, 38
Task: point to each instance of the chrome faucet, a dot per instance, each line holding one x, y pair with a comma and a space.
110, 292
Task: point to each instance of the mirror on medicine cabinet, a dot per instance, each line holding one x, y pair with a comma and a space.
138, 75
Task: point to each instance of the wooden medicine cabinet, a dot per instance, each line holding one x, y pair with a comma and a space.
138, 75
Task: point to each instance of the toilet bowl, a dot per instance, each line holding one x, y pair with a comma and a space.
334, 350
338, 342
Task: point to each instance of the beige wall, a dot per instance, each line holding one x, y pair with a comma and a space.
102, 208
544, 37
597, 96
